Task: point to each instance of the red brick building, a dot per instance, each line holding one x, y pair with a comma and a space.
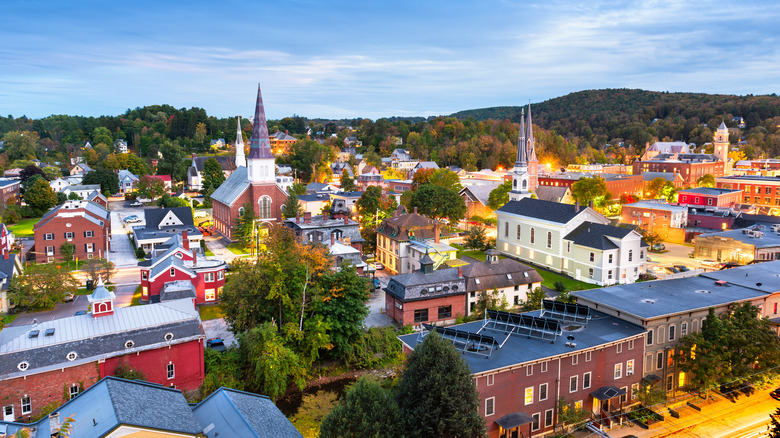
9, 190
253, 186
178, 271
589, 359
668, 221
711, 197
690, 166
52, 361
83, 223
763, 191
617, 184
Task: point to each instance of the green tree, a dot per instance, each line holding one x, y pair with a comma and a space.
292, 207
500, 195
347, 182
706, 180
588, 189
436, 393
168, 201
20, 144
475, 238
438, 202
102, 135
342, 298
73, 196
30, 181
651, 393
212, 173
98, 269
366, 411
40, 197
489, 300
173, 162
569, 414
150, 187
41, 286
108, 180
269, 365
245, 225
373, 205
200, 133
534, 300
654, 187
68, 250
298, 188
773, 428
62, 198
51, 173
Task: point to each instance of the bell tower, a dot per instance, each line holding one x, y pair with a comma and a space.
721, 142
520, 177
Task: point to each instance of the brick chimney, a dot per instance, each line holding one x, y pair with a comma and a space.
460, 271
297, 218
436, 232
576, 206
307, 217
184, 240
194, 155
332, 239
415, 210
346, 220
590, 204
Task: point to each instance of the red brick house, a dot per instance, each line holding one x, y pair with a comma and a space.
178, 271
586, 357
9, 190
85, 224
710, 197
53, 361
253, 185
617, 184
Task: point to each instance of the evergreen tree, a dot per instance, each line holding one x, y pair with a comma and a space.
347, 182
245, 224
366, 411
437, 395
108, 180
291, 207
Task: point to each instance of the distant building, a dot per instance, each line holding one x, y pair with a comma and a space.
9, 190
667, 221
127, 181
195, 171
397, 234
281, 142
84, 224
665, 147
675, 178
83, 191
476, 199
510, 278
762, 191
711, 197
120, 146
80, 169
617, 184
690, 166
555, 194
741, 246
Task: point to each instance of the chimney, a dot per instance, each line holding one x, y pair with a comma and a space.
194, 155
436, 233
576, 206
460, 271
287, 132
5, 253
332, 239
184, 240
415, 210
346, 220
297, 218
307, 217
590, 204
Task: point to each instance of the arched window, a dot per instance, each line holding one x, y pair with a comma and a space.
518, 232
240, 211
525, 184
549, 239
264, 210
533, 232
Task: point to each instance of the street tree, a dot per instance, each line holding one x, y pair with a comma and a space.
150, 187
30, 171
347, 182
98, 269
40, 197
68, 250
367, 410
706, 180
373, 205
291, 207
30, 181
438, 202
655, 186
588, 189
499, 196
569, 414
108, 180
489, 300
436, 393
298, 188
41, 286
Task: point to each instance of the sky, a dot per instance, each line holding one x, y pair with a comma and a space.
349, 59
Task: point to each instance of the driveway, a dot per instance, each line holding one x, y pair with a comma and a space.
676, 254
218, 328
122, 251
376, 304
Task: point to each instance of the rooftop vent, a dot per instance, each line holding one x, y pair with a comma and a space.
648, 301
33, 334
49, 332
721, 282
702, 291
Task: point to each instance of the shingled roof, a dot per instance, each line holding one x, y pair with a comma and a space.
542, 210
504, 273
596, 236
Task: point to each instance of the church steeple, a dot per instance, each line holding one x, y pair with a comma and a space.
522, 144
240, 158
530, 138
520, 171
261, 166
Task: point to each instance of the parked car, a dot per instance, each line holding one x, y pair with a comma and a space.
136, 204
201, 213
682, 268
690, 255
80, 312
775, 394
69, 297
659, 247
132, 219
377, 284
711, 263
672, 270
378, 266
216, 344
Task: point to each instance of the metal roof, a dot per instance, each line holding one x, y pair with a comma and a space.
241, 414
232, 188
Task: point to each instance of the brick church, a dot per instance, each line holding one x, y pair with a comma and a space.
252, 184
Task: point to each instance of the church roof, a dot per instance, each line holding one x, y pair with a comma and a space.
260, 146
229, 191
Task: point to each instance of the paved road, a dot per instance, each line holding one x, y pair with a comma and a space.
376, 304
676, 254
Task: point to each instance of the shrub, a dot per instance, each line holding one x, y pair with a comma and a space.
376, 347
559, 286
140, 253
125, 371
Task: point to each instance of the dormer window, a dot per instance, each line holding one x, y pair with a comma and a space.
173, 272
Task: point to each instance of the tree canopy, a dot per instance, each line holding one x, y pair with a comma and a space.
438, 202
108, 180
588, 189
150, 187
40, 196
500, 195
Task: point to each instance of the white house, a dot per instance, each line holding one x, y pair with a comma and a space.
127, 181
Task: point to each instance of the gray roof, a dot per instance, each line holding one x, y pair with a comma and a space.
93, 338
657, 206
504, 273
669, 176
551, 193
480, 192
82, 188
766, 273
602, 329
229, 191
654, 299
126, 174
7, 269
543, 210
97, 212
242, 414
426, 165
414, 286
596, 236
153, 216
227, 162
768, 240
9, 182
709, 191
176, 290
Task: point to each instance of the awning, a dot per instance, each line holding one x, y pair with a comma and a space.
651, 378
607, 392
510, 421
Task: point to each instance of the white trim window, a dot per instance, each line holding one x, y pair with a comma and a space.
529, 395
89, 233
536, 423
586, 380
209, 277
26, 405
220, 275
490, 406
170, 370
490, 379
618, 370
73, 391
210, 294
48, 236
630, 367
548, 418
573, 383
543, 392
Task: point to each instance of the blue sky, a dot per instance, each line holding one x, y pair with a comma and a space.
373, 59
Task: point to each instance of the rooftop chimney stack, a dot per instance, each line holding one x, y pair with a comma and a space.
307, 217
460, 271
415, 210
297, 218
332, 239
576, 206
184, 240
436, 233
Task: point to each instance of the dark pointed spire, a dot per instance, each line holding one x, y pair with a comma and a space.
522, 144
260, 146
530, 138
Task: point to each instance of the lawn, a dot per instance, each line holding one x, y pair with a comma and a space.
237, 248
473, 253
211, 312
550, 278
7, 319
208, 252
24, 228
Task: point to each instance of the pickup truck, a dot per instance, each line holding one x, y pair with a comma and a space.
216, 344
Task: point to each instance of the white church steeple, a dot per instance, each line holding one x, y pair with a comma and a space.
520, 170
240, 158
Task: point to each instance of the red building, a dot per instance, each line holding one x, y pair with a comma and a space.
521, 371
617, 184
426, 296
178, 271
52, 361
690, 166
83, 223
762, 191
711, 197
9, 191
253, 186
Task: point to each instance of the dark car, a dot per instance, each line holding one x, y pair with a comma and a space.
216, 344
672, 270
682, 268
377, 284
775, 394
80, 312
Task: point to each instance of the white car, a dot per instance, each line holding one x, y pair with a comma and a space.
201, 213
378, 266
136, 204
132, 219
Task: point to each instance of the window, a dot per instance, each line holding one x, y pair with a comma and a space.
630, 254
69, 235
170, 370
49, 250
172, 272
72, 356
548, 418
533, 233
89, 233
709, 201
670, 358
609, 274
610, 259
89, 247
641, 254
421, 315
445, 312
586, 380
630, 367
619, 348
506, 229
73, 391
535, 423
669, 382
549, 239
543, 392
650, 337
568, 246
518, 232
575, 360
630, 344
529, 370
659, 360
618, 370
544, 367
684, 326
209, 277
578, 404
624, 397
672, 330
490, 378
264, 208
592, 256
634, 390
48, 236
573, 381
210, 295
587, 356
26, 405
220, 275
590, 272
649, 363
660, 339
529, 395
489, 406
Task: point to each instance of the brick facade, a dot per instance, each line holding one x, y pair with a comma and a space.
690, 171
226, 217
69, 224
726, 199
403, 313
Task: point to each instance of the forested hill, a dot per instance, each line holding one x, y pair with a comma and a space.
602, 111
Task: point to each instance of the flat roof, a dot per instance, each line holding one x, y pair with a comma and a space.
602, 329
769, 240
656, 206
766, 273
653, 299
